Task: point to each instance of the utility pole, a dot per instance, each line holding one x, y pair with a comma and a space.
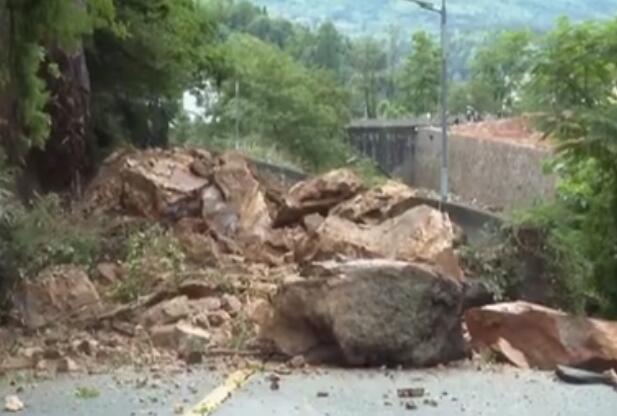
444, 90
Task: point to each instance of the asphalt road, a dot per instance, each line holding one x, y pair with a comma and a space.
447, 392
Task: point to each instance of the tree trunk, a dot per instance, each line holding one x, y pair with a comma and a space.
65, 160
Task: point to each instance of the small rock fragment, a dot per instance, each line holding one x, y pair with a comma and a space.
218, 318
66, 365
210, 303
108, 273
322, 394
410, 406
297, 362
274, 382
232, 304
430, 402
12, 403
410, 393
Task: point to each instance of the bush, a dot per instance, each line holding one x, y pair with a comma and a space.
45, 234
152, 255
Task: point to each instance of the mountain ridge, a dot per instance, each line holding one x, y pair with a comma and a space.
374, 16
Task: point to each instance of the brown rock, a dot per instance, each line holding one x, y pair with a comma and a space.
218, 318
57, 293
377, 204
17, 363
85, 346
167, 312
182, 336
318, 195
66, 365
218, 213
196, 289
530, 335
232, 304
34, 354
52, 354
297, 362
312, 223
160, 184
244, 194
206, 304
420, 234
373, 311
164, 336
221, 336
109, 273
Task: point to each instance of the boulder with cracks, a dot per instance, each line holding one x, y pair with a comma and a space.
366, 313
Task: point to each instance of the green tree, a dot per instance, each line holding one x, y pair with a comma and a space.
572, 90
329, 48
138, 79
573, 67
501, 67
369, 64
299, 111
420, 75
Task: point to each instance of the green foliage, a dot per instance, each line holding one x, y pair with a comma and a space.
572, 88
152, 255
573, 68
420, 76
36, 26
298, 111
86, 393
139, 76
500, 68
369, 62
44, 235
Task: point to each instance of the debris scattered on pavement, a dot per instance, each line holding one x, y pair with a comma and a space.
274, 381
410, 393
411, 406
12, 403
322, 394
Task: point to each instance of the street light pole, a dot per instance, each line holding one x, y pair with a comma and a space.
444, 90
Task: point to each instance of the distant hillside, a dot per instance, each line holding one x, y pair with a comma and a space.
373, 16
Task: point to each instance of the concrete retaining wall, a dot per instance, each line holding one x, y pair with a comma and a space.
491, 173
494, 173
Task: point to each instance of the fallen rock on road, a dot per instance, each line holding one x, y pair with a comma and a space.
375, 312
58, 292
534, 336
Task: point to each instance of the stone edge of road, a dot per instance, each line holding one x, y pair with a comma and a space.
220, 394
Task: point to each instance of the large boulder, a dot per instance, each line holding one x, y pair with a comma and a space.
420, 234
318, 195
369, 312
57, 293
530, 335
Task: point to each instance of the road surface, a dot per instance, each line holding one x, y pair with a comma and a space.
448, 392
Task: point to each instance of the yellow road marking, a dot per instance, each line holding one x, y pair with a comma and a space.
217, 396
